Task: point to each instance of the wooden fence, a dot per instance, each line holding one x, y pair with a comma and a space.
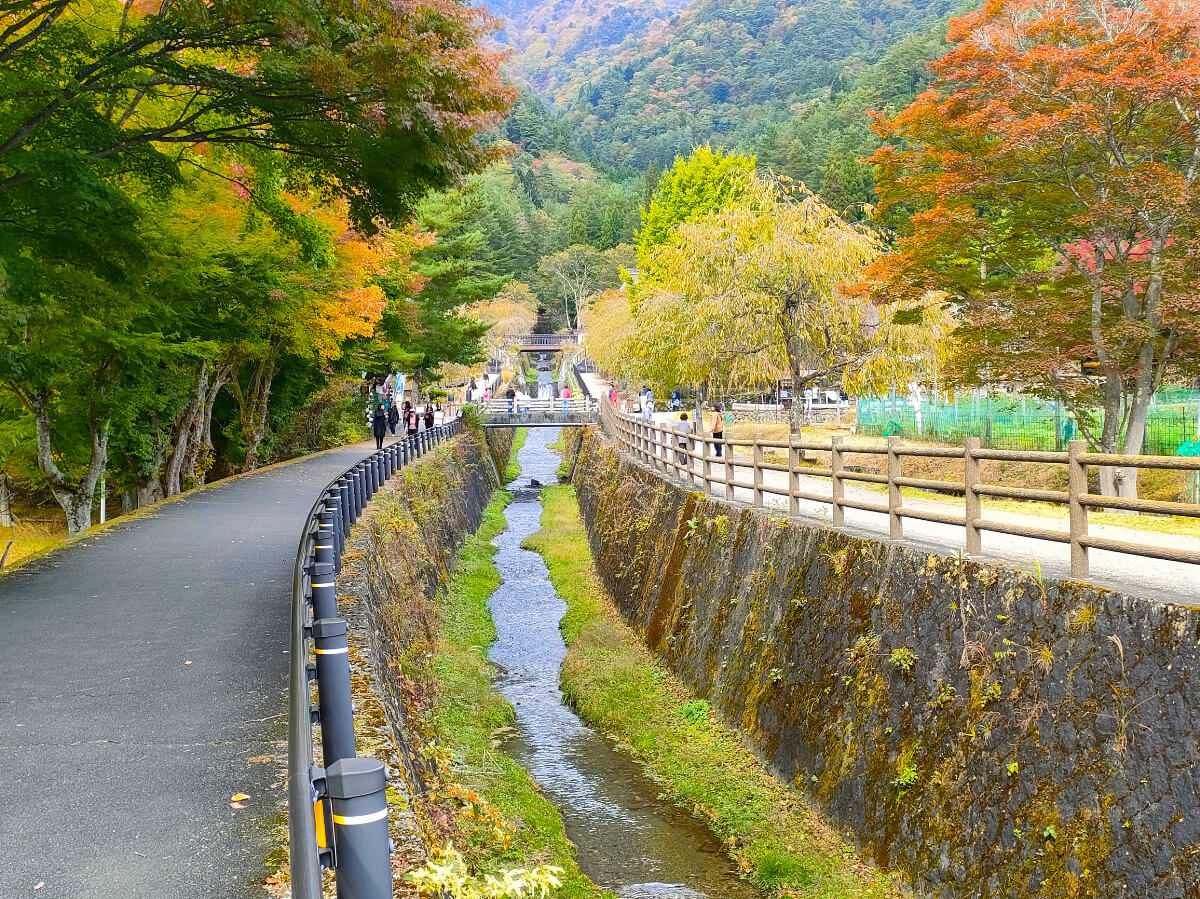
693, 458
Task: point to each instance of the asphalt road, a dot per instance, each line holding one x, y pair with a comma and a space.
118, 757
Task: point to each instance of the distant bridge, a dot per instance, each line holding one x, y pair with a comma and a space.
576, 412
543, 343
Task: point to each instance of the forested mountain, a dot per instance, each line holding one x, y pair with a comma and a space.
729, 72
556, 44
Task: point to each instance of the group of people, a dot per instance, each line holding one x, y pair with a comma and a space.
716, 427
387, 417
714, 420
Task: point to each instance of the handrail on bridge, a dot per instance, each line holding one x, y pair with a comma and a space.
337, 815
695, 458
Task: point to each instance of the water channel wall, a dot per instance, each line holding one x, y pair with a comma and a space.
413, 534
983, 731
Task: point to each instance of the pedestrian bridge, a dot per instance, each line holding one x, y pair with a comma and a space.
500, 412
544, 343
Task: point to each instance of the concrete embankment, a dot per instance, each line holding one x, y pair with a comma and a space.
988, 732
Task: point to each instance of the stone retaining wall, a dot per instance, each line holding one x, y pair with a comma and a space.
986, 732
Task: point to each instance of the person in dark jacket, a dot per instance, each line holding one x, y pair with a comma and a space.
379, 425
429, 419
393, 418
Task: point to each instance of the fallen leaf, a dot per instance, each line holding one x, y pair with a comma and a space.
237, 805
40, 884
274, 878
187, 661
238, 797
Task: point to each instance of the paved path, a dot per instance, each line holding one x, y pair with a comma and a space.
118, 758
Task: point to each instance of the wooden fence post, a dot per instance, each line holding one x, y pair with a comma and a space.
973, 506
1077, 486
728, 465
839, 486
793, 476
758, 472
895, 497
706, 464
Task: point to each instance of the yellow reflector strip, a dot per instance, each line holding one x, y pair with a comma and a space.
331, 652
360, 819
319, 816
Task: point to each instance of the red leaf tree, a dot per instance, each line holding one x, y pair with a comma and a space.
1047, 182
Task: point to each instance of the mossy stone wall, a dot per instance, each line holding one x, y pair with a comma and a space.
413, 533
986, 732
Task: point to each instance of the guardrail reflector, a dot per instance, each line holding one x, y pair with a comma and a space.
319, 819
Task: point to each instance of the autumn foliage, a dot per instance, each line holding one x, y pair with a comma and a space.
1047, 183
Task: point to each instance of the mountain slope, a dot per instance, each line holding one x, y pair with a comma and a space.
727, 71
556, 43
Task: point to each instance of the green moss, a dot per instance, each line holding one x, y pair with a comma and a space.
468, 715
513, 470
612, 680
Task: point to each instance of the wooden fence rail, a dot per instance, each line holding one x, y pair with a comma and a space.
702, 461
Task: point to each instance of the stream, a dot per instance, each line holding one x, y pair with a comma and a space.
629, 840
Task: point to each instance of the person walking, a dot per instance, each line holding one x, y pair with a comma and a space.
718, 428
430, 419
681, 429
648, 405
393, 417
566, 399
511, 396
676, 401
411, 422
379, 425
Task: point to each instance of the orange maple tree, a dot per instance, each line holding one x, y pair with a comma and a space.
1047, 185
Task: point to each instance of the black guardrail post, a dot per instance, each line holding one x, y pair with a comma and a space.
343, 489
360, 480
325, 543
372, 478
333, 505
333, 688
324, 590
356, 789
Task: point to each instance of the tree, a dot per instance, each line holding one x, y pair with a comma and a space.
575, 274
104, 110
383, 101
757, 292
705, 181
1051, 172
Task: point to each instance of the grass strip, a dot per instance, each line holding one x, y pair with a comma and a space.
512, 824
615, 684
513, 470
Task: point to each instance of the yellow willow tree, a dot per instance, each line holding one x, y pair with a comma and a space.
756, 292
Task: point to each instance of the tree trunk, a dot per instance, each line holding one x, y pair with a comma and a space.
253, 404
75, 499
185, 435
1110, 434
202, 449
6, 516
1135, 427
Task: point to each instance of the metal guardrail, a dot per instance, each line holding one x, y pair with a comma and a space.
692, 458
337, 814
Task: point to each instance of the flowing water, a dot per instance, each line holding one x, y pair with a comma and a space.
629, 840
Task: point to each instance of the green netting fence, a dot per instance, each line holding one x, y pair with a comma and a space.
1018, 422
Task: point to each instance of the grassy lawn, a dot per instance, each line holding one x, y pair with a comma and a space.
613, 681
507, 822
39, 529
